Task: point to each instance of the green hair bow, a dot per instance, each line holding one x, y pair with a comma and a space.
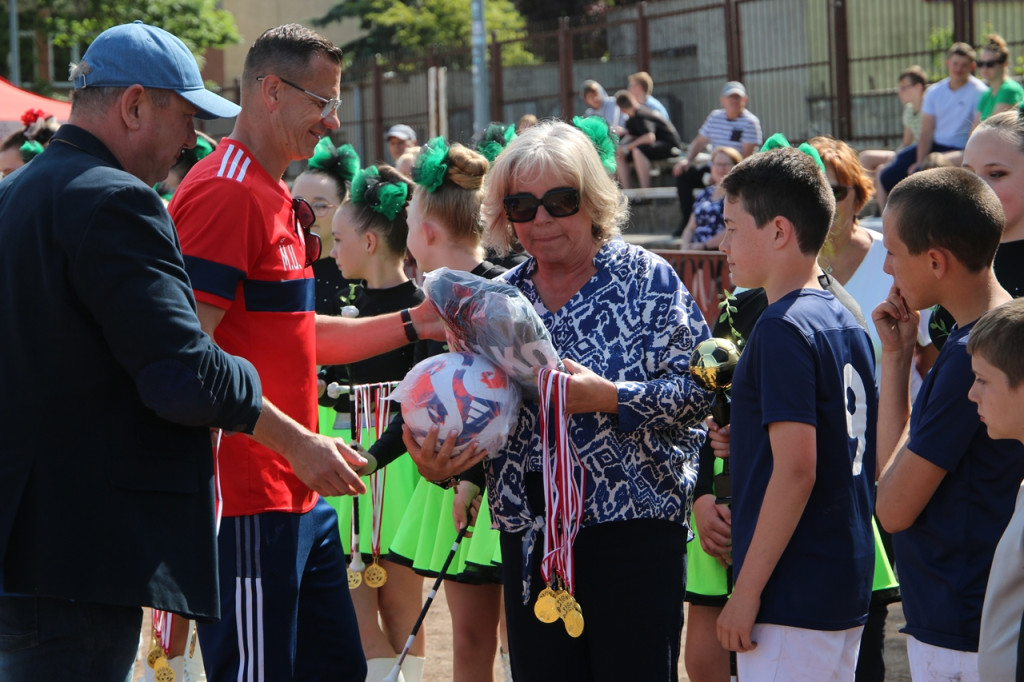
778, 140
341, 162
202, 148
494, 140
386, 198
30, 150
430, 167
605, 141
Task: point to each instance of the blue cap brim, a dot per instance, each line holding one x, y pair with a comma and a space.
211, 105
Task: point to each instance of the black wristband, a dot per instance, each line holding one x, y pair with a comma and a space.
447, 483
407, 325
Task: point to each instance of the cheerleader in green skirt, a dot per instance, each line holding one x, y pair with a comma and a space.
445, 230
369, 232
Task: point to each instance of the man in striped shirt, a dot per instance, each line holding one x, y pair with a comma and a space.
731, 126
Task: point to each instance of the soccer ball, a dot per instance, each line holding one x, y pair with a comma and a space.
464, 392
713, 362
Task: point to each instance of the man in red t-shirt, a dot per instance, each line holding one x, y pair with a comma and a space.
287, 613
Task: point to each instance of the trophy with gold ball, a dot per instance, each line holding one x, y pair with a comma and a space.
712, 365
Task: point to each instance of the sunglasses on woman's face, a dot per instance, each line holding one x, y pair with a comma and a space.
560, 202
304, 219
990, 64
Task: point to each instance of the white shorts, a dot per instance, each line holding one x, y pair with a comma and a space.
787, 654
929, 663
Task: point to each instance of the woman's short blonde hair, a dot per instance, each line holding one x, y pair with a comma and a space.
561, 151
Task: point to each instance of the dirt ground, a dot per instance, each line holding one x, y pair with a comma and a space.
438, 668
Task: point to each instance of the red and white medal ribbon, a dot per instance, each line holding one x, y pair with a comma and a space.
378, 479
360, 398
163, 627
563, 480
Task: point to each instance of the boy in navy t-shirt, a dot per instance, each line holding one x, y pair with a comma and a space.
947, 489
998, 390
802, 436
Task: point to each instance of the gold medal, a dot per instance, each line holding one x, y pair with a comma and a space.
156, 652
375, 575
546, 606
355, 579
574, 622
164, 674
565, 603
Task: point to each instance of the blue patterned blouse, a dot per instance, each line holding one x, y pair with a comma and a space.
707, 215
636, 324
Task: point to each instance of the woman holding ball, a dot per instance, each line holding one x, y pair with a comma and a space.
624, 326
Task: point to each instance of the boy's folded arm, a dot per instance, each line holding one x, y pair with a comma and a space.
905, 488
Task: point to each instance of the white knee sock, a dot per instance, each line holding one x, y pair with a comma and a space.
412, 668
378, 668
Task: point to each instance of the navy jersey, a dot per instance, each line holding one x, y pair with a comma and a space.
808, 361
943, 559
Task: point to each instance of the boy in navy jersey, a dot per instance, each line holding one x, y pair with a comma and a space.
947, 489
802, 440
998, 390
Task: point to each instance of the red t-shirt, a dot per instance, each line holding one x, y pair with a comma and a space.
244, 254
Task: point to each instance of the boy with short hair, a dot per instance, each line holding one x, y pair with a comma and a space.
802, 436
947, 489
998, 390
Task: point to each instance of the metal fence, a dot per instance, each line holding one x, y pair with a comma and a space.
811, 67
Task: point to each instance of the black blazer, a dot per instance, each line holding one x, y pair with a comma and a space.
108, 388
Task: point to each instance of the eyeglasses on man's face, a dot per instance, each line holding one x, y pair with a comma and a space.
330, 105
304, 219
560, 202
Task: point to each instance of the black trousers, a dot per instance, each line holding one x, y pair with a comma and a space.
47, 638
686, 182
630, 582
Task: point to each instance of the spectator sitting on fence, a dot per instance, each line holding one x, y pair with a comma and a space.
910, 90
401, 139
946, 116
649, 137
600, 103
1004, 92
641, 86
731, 126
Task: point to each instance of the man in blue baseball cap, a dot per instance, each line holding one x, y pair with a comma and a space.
140, 54
110, 385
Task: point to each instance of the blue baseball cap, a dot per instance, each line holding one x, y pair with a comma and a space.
137, 53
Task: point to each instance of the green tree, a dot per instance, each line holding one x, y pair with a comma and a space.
416, 26
199, 23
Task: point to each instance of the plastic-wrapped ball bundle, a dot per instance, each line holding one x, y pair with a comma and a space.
464, 392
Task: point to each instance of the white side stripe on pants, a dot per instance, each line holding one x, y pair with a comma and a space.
249, 599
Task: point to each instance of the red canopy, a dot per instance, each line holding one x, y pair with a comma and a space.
14, 102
